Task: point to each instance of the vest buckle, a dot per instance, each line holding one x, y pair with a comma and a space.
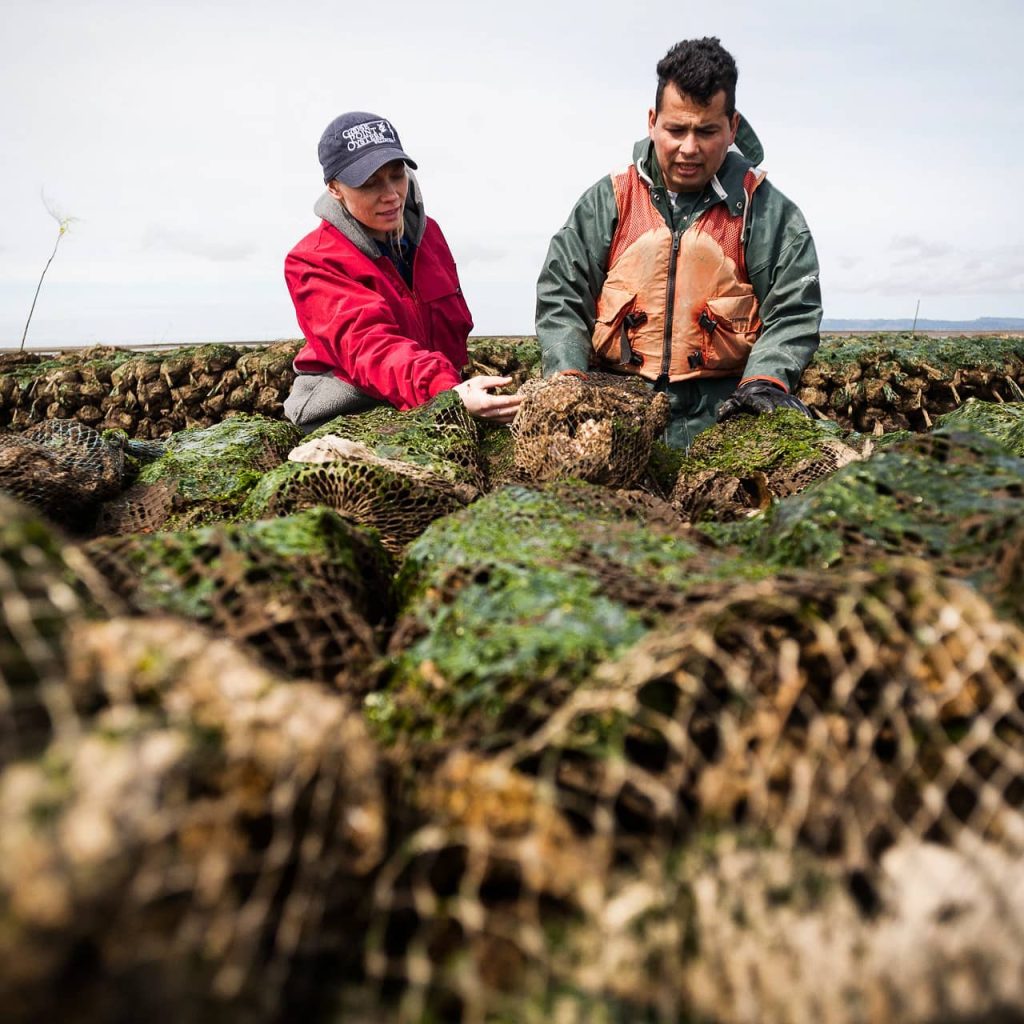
707, 322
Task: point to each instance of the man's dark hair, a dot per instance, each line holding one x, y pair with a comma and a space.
699, 68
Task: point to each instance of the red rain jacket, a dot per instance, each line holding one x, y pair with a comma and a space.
363, 323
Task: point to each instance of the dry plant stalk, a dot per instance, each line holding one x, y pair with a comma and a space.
64, 223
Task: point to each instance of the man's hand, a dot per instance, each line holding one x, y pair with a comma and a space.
756, 397
477, 398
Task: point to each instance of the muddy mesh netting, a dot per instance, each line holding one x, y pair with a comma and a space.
599, 428
742, 465
185, 834
399, 500
801, 800
200, 476
628, 773
65, 469
308, 592
45, 584
191, 848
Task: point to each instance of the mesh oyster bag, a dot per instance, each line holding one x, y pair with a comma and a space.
800, 800
397, 499
194, 846
63, 468
740, 466
439, 436
200, 475
306, 592
599, 428
45, 583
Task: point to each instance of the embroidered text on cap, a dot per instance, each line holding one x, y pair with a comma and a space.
369, 133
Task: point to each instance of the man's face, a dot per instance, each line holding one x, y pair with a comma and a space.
690, 140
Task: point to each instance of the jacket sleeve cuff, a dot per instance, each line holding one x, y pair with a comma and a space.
559, 360
444, 381
763, 376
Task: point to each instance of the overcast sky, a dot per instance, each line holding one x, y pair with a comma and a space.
183, 137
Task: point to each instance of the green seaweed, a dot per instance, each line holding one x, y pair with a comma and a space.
903, 351
439, 435
1002, 421
508, 604
193, 572
663, 466
214, 468
744, 445
953, 498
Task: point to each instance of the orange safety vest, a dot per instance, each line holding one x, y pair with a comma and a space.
677, 305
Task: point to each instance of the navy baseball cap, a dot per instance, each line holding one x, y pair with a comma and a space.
356, 144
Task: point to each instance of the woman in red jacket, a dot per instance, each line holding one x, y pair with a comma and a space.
376, 291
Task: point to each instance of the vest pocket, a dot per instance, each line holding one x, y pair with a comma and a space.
613, 306
736, 328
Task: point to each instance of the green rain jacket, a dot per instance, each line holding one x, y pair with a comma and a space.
781, 262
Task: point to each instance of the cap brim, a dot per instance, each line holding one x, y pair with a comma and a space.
356, 173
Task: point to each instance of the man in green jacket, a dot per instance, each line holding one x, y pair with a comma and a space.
687, 268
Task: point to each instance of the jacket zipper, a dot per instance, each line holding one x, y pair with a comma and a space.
670, 298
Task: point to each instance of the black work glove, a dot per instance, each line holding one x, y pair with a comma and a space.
756, 397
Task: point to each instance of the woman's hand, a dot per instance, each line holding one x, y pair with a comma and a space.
477, 398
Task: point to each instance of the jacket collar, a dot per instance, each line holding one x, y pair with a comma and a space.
329, 209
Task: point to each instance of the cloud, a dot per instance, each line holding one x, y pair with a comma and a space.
479, 252
919, 248
935, 269
192, 243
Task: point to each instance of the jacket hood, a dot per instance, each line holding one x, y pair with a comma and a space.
329, 209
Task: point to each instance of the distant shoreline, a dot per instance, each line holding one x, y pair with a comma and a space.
967, 331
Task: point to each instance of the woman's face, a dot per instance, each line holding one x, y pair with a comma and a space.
379, 202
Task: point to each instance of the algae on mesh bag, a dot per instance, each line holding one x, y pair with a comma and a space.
396, 499
737, 467
1002, 421
220, 464
440, 435
747, 444
308, 591
204, 475
780, 741
955, 499
505, 606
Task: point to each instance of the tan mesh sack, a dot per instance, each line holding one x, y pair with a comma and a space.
193, 846
62, 468
45, 583
398, 499
800, 801
307, 592
740, 466
599, 428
